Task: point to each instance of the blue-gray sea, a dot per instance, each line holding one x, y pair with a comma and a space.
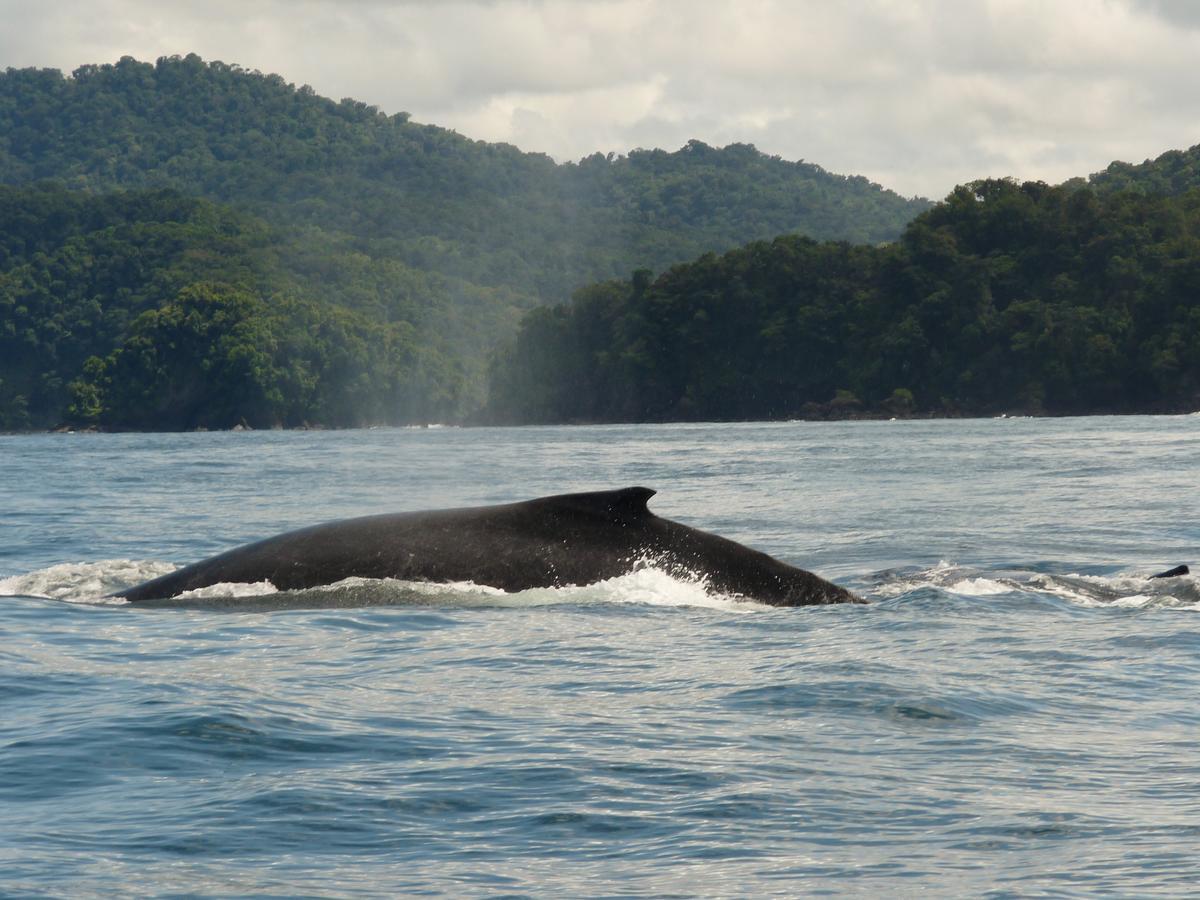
1015, 712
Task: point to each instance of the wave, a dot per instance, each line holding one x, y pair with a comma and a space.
648, 585
84, 582
1134, 590
90, 583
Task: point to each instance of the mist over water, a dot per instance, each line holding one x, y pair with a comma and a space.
1014, 711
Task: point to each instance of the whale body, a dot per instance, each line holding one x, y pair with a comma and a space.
569, 539
1173, 573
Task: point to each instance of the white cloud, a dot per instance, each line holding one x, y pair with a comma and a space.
918, 95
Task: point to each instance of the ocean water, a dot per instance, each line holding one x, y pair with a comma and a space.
1015, 712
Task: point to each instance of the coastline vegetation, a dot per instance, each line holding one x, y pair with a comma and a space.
1005, 297
191, 245
195, 208
154, 311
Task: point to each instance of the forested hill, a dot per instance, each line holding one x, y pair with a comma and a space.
153, 310
1174, 172
153, 207
486, 213
1006, 297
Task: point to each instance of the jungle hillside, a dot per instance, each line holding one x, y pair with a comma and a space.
1004, 298
135, 189
188, 244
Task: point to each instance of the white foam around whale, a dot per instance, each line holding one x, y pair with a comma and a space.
231, 589
1133, 590
89, 583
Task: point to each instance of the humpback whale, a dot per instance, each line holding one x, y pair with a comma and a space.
568, 539
1172, 573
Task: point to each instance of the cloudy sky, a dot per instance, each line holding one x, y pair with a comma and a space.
916, 94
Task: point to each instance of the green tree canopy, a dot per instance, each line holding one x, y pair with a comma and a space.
1004, 297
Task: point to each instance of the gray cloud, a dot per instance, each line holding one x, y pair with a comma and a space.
918, 95
1179, 12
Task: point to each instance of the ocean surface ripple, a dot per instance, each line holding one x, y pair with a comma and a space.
1013, 713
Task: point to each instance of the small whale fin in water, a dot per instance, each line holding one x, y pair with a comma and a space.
627, 503
1173, 573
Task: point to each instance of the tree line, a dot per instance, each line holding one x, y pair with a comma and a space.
405, 225
152, 310
1005, 297
188, 244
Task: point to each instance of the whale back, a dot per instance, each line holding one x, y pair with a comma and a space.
578, 538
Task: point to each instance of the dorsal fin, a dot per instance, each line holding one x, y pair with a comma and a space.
626, 503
